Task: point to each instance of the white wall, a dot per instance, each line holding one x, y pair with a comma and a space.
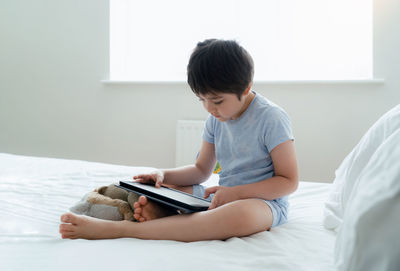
53, 55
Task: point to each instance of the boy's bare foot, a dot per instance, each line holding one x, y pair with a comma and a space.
146, 210
80, 226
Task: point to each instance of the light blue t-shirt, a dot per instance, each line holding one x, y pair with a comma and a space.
243, 145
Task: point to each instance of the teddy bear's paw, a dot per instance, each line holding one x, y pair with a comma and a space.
126, 211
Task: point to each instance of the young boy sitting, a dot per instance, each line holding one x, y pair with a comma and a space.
248, 135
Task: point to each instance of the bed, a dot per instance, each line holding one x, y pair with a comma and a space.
350, 224
35, 191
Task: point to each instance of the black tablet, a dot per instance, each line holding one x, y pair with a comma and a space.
171, 197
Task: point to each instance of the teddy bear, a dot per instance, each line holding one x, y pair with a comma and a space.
107, 202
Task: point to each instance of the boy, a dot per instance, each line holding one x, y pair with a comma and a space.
249, 136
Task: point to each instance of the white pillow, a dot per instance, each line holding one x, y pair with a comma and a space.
351, 167
369, 236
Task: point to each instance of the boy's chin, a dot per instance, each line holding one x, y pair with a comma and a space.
222, 119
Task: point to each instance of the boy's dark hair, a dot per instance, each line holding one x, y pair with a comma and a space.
220, 66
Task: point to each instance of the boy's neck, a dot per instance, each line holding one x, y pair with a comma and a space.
248, 99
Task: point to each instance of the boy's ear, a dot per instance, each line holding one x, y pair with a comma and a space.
247, 91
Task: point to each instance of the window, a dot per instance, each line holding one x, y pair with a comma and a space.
289, 40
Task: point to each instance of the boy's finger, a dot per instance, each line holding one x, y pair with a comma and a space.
207, 193
211, 190
140, 176
158, 181
144, 180
212, 205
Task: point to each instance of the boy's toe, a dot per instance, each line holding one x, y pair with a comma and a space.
138, 210
66, 218
69, 218
67, 235
142, 200
139, 218
66, 228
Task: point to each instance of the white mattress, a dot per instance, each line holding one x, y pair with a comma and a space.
34, 192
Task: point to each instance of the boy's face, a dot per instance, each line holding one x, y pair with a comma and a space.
225, 106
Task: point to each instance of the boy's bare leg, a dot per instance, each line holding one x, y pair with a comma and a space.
146, 210
239, 218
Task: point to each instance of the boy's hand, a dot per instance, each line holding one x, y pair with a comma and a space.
156, 177
222, 195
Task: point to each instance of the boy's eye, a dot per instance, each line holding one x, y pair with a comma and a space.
219, 102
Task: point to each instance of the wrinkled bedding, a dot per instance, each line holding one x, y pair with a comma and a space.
34, 192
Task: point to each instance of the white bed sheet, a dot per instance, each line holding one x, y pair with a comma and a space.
34, 192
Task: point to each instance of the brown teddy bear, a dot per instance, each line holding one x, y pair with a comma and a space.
107, 202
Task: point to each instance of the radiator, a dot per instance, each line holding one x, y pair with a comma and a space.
188, 141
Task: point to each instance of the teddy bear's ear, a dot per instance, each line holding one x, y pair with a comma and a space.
101, 190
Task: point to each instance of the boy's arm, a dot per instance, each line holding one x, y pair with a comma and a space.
284, 182
193, 174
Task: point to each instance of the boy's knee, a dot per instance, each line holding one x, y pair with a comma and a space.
252, 213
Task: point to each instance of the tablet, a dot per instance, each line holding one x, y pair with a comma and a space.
179, 200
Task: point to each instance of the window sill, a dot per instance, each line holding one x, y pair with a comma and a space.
375, 81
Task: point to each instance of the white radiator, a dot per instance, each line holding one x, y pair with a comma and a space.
188, 141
